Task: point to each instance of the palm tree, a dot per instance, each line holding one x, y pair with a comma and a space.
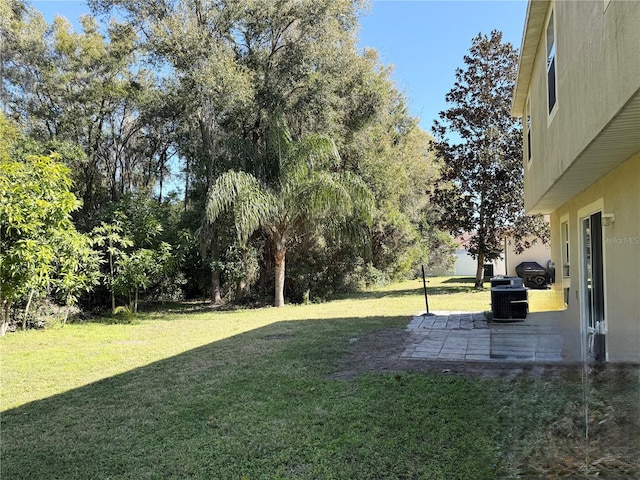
308, 193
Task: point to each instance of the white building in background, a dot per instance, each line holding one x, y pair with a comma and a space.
465, 265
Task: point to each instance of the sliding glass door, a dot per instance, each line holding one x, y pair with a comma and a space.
593, 287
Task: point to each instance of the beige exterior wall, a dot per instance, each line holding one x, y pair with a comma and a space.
619, 193
598, 70
585, 154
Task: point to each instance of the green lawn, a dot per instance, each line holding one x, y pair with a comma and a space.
191, 393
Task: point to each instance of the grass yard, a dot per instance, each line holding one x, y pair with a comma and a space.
193, 393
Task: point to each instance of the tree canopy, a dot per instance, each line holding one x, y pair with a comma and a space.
36, 232
307, 195
201, 140
481, 183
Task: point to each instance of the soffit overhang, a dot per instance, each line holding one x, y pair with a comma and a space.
616, 143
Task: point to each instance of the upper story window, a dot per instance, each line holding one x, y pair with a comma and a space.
551, 62
527, 128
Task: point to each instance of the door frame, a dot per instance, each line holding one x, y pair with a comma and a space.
584, 213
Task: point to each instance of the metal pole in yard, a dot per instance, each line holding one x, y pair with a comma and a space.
424, 284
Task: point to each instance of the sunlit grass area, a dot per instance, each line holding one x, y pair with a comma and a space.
81, 353
459, 294
37, 364
187, 392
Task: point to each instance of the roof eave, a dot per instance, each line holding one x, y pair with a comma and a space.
533, 28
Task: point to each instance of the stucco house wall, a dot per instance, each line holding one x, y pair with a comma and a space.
619, 193
465, 265
598, 71
585, 158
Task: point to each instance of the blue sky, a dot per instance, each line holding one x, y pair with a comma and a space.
424, 40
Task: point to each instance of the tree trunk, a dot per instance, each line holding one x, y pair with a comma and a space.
113, 295
216, 297
66, 312
163, 159
480, 272
26, 310
4, 325
280, 252
241, 290
186, 183
135, 305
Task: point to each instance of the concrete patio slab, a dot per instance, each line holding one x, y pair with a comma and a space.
467, 336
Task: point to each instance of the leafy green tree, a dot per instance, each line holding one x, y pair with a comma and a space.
307, 194
480, 147
240, 266
82, 88
387, 148
138, 270
141, 219
153, 225
77, 267
35, 207
226, 77
109, 236
229, 66
12, 13
137, 256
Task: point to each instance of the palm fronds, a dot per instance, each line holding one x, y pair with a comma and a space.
252, 202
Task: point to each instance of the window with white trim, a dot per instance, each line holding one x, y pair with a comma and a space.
551, 63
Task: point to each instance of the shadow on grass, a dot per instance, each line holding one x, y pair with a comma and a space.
168, 310
253, 405
465, 280
431, 290
259, 405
